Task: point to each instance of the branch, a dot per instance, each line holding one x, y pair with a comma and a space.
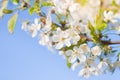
110, 42
107, 42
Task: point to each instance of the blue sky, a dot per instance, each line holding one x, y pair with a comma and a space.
22, 58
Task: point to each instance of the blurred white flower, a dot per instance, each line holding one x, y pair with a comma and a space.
94, 3
117, 2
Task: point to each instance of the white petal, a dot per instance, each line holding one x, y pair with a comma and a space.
38, 27
77, 38
81, 72
34, 33
100, 65
64, 34
61, 52
36, 21
55, 38
59, 45
72, 58
69, 52
85, 48
80, 51
67, 43
96, 50
75, 65
82, 58
75, 48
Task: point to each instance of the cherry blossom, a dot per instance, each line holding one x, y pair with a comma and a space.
77, 30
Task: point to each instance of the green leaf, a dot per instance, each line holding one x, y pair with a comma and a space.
15, 2
92, 29
118, 55
12, 23
101, 26
114, 3
69, 64
32, 9
113, 51
6, 11
46, 3
99, 21
37, 7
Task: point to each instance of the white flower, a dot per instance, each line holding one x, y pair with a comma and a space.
75, 54
75, 65
96, 50
25, 26
102, 64
94, 3
62, 53
61, 37
34, 28
95, 71
85, 48
73, 35
83, 28
61, 6
85, 72
117, 2
108, 16
74, 13
44, 39
47, 27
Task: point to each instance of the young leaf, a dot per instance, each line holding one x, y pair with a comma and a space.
12, 23
47, 3
6, 11
101, 26
32, 9
69, 64
15, 2
99, 20
118, 56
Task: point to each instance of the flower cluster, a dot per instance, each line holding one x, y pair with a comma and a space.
77, 29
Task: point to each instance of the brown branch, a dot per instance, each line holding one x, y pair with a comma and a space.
107, 42
110, 42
